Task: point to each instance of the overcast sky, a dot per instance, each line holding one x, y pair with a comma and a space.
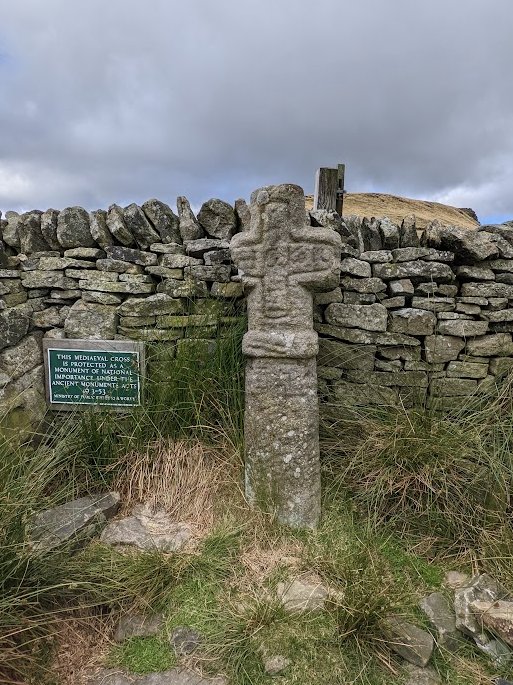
107, 101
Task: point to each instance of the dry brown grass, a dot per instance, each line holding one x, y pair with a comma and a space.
186, 479
396, 208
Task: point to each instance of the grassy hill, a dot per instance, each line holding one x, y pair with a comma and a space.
396, 208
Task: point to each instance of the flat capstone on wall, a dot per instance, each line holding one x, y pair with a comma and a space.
413, 319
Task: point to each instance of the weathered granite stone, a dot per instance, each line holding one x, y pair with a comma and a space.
168, 248
497, 345
21, 357
73, 228
442, 348
495, 616
412, 643
116, 287
498, 316
475, 273
282, 260
466, 369
422, 676
99, 230
10, 233
218, 219
406, 379
274, 665
220, 273
358, 298
401, 287
118, 266
86, 320
187, 287
480, 588
465, 328
178, 261
49, 228
84, 253
487, 290
163, 220
442, 618
29, 230
417, 270
301, 595
355, 267
434, 304
412, 321
138, 625
373, 256
372, 317
148, 532
363, 285
164, 272
57, 263
127, 254
227, 290
47, 318
47, 279
407, 233
87, 515
243, 214
92, 275
151, 306
389, 234
14, 324
117, 226
97, 297
469, 245
197, 248
500, 366
190, 228
433, 288
139, 226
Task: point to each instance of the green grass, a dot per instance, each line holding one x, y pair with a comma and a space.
143, 655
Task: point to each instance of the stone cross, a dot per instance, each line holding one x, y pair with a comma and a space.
282, 260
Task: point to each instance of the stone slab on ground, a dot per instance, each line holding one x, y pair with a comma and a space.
61, 524
442, 618
146, 532
300, 595
496, 617
412, 643
138, 625
421, 676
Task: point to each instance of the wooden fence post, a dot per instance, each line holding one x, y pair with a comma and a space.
329, 189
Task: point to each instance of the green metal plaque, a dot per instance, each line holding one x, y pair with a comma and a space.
93, 376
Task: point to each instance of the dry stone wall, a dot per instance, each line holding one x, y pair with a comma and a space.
138, 273
411, 320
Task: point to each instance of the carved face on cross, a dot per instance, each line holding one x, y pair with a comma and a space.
282, 260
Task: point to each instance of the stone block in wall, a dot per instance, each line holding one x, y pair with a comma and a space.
404, 353
358, 298
97, 297
128, 254
416, 379
197, 248
217, 257
363, 285
73, 228
29, 230
434, 304
501, 366
355, 267
432, 288
13, 299
364, 337
165, 272
116, 224
442, 348
496, 345
91, 321
21, 358
498, 316
227, 290
47, 318
504, 278
218, 219
328, 297
178, 261
99, 230
135, 278
14, 324
392, 365
496, 303
153, 305
92, 275
139, 226
243, 214
415, 270
464, 369
403, 286
93, 253
428, 254
152, 334
373, 256
186, 288
49, 228
163, 220
117, 287
469, 245
167, 248
10, 233
450, 387
389, 234
465, 328
393, 302
471, 309
220, 273
487, 290
363, 394
372, 317
61, 263
501, 265
407, 233
412, 321
190, 228
47, 279
137, 321
333, 353
118, 266
475, 273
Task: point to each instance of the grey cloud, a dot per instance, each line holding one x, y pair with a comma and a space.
121, 101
